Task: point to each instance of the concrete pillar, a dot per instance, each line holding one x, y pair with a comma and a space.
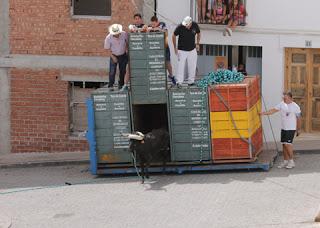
4, 27
5, 145
148, 10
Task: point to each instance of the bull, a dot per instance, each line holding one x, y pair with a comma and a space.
149, 147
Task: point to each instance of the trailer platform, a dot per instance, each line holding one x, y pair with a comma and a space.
264, 162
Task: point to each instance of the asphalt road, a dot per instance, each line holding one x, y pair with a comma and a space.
40, 197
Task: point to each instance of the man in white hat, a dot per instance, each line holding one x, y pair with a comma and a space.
188, 45
117, 42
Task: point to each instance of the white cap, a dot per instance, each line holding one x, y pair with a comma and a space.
115, 29
187, 21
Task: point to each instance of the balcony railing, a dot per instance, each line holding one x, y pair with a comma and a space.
220, 12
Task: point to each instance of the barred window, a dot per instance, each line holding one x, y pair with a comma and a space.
255, 52
213, 50
78, 92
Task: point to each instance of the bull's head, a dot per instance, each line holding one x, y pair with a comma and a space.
135, 139
135, 136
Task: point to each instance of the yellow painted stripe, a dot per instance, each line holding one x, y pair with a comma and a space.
247, 122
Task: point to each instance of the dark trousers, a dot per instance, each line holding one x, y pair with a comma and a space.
122, 62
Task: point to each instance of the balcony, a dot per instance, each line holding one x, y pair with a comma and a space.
220, 12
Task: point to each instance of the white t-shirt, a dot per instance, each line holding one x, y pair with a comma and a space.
289, 113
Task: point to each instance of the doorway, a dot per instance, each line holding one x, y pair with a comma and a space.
302, 78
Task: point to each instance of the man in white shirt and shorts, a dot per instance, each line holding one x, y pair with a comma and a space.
291, 124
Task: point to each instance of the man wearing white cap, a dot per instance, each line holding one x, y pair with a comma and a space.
117, 42
187, 49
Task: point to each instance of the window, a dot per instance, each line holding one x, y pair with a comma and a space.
91, 7
78, 93
255, 52
213, 50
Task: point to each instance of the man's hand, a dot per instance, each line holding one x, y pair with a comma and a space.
297, 133
198, 47
176, 51
114, 58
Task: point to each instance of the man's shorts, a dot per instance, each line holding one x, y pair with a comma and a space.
287, 136
168, 54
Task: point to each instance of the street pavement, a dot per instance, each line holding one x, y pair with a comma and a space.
69, 196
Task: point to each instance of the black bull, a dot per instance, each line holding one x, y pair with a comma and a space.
154, 147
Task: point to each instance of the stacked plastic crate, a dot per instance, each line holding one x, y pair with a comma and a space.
189, 125
111, 119
147, 68
235, 121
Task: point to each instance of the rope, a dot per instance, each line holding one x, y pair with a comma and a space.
135, 165
274, 138
263, 133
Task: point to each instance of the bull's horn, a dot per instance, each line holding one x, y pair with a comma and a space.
140, 134
135, 137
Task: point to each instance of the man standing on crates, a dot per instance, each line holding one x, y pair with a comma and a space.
187, 49
291, 124
117, 42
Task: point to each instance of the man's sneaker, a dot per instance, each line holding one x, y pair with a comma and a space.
191, 84
283, 164
173, 80
229, 31
224, 32
290, 165
124, 88
179, 86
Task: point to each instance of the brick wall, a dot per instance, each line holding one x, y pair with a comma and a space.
45, 27
39, 99
39, 112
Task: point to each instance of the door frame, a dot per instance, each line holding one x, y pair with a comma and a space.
309, 80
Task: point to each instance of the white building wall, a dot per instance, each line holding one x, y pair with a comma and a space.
284, 14
272, 24
205, 65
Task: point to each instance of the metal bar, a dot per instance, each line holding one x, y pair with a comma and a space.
91, 137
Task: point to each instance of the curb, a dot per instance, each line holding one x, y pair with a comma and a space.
307, 151
303, 152
43, 163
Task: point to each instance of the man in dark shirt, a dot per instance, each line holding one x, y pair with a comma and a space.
188, 45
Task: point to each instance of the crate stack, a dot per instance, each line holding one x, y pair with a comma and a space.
235, 121
189, 125
148, 79
111, 119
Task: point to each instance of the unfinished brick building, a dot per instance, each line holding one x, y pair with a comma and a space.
51, 58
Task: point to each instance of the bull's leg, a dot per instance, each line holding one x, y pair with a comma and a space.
164, 160
317, 219
142, 173
164, 165
147, 171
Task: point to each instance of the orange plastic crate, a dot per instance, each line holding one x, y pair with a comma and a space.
224, 149
239, 97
